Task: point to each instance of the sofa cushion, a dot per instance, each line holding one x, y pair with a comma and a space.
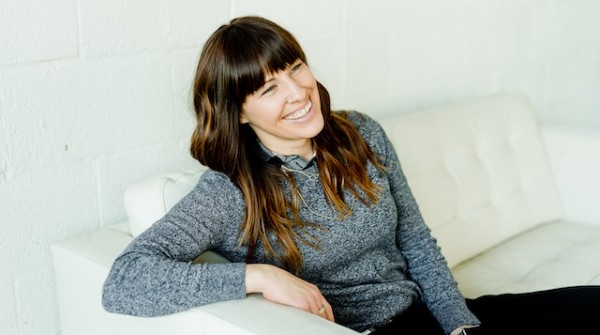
148, 200
476, 168
556, 254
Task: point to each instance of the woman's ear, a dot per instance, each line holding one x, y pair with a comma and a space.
243, 119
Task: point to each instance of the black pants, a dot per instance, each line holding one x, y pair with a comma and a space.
571, 310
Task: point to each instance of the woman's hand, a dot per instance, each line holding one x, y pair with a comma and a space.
282, 287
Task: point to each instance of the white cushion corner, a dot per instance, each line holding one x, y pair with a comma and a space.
150, 199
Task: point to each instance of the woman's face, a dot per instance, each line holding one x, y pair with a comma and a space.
285, 113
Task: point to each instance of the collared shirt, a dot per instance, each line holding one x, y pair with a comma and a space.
294, 162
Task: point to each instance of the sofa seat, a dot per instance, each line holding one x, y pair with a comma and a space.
555, 254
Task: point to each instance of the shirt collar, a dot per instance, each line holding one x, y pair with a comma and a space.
295, 162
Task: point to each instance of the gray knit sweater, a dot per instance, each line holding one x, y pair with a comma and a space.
370, 266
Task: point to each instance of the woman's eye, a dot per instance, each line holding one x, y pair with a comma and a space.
296, 67
268, 89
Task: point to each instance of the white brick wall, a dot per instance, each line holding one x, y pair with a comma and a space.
94, 94
33, 31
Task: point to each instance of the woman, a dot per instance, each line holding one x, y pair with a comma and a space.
310, 206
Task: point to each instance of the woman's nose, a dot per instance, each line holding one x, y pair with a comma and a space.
295, 91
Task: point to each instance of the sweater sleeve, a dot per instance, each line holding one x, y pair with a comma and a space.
155, 275
426, 264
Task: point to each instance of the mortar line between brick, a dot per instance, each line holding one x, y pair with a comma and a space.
98, 182
78, 12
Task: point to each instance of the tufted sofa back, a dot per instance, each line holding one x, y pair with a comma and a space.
477, 168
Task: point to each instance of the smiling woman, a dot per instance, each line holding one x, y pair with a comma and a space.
276, 107
312, 209
282, 112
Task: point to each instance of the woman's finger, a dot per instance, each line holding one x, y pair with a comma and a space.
325, 311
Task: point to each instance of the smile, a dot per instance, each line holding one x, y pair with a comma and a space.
299, 114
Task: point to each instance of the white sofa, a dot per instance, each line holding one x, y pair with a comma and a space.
514, 207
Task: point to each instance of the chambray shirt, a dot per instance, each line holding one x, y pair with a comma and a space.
293, 162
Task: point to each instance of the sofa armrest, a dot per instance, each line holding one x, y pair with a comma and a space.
82, 263
574, 155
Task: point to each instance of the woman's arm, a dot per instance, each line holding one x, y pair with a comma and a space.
426, 264
155, 275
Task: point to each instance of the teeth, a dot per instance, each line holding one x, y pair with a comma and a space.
299, 114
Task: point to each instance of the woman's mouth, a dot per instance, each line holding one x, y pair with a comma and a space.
301, 113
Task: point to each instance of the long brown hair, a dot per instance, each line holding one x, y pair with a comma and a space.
233, 64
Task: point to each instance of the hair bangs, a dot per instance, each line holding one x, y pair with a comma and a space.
259, 53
